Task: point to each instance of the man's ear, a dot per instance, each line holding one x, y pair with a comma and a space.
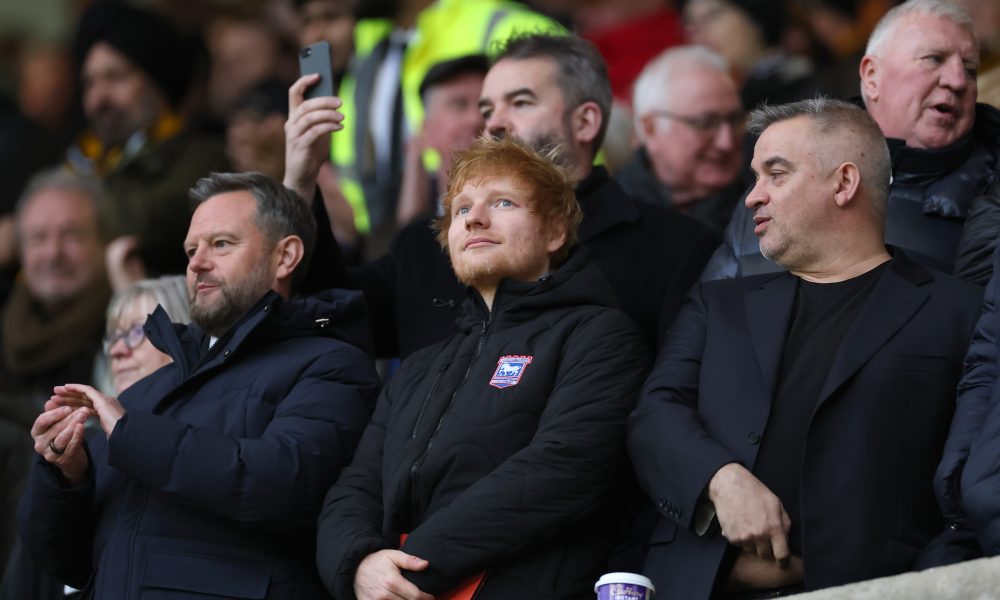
557, 239
289, 252
868, 71
586, 123
646, 127
847, 179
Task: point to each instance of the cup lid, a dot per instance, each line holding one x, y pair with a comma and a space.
629, 578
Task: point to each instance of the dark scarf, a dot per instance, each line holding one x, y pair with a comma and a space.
35, 342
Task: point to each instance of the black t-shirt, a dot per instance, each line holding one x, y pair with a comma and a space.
822, 316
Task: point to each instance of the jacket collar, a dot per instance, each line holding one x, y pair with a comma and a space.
576, 282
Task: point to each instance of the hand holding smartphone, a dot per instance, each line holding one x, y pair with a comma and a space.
316, 58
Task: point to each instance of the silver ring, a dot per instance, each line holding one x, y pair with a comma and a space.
52, 447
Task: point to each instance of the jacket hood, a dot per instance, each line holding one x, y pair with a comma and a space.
577, 282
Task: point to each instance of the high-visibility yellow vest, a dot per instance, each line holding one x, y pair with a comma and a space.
445, 30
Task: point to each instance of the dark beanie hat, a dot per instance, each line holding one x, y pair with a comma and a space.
147, 39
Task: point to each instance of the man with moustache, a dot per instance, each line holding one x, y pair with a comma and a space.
551, 92
500, 450
918, 81
207, 475
790, 430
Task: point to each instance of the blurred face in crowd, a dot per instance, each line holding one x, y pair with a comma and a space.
921, 87
61, 248
118, 98
452, 119
230, 265
131, 355
243, 52
792, 199
726, 29
521, 98
331, 21
694, 145
495, 234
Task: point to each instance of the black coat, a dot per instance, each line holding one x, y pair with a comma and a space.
212, 480
867, 505
499, 449
968, 479
931, 195
650, 255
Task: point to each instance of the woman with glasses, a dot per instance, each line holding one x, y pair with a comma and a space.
129, 355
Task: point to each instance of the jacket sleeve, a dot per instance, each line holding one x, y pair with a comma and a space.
56, 523
979, 237
968, 479
275, 481
673, 455
975, 392
350, 523
562, 475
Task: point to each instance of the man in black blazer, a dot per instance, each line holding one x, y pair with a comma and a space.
789, 431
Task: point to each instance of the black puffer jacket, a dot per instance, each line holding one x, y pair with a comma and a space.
930, 197
498, 449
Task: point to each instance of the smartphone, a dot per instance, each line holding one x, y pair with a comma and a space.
315, 58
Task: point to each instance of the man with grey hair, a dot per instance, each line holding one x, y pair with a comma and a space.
689, 121
918, 81
809, 462
206, 476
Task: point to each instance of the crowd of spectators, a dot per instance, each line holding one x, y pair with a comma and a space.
642, 106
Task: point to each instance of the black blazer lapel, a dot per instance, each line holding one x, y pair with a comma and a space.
896, 298
769, 308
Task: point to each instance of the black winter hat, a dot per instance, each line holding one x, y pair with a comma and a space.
147, 39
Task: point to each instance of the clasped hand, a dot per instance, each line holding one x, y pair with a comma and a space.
58, 431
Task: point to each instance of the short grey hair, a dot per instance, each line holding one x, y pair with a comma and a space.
169, 292
280, 211
937, 8
61, 178
869, 151
581, 74
652, 88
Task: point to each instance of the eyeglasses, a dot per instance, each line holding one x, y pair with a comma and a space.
132, 337
706, 123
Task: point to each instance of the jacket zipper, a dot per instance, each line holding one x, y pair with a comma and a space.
430, 442
427, 399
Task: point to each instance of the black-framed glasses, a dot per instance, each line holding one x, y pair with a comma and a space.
708, 122
132, 337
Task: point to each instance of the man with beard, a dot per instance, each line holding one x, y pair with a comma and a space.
207, 476
396, 43
135, 72
550, 91
499, 450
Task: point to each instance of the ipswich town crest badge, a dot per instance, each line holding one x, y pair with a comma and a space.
509, 371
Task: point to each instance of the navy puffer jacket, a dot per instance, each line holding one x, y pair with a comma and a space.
212, 481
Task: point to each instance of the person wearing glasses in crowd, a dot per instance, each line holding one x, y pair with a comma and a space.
130, 355
690, 122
